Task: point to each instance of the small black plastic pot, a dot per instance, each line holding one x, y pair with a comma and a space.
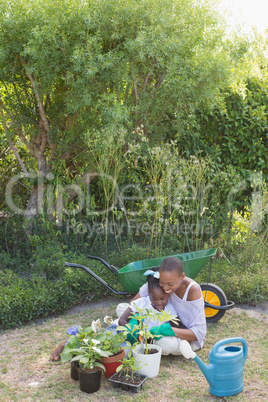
74, 372
89, 381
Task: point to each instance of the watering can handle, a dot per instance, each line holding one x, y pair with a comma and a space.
231, 340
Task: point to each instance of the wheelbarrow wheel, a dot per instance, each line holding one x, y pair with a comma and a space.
215, 296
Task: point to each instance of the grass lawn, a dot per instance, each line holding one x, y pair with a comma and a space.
27, 374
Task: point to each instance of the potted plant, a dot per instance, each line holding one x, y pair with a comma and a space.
90, 366
111, 341
75, 341
127, 376
148, 355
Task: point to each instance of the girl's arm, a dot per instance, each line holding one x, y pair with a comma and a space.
125, 317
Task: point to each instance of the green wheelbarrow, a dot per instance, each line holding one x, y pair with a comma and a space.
131, 277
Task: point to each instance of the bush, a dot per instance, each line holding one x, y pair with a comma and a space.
48, 258
239, 284
23, 300
13, 262
135, 252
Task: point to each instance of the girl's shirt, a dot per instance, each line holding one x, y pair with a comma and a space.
145, 303
191, 313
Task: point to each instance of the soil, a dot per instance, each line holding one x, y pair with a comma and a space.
153, 351
127, 379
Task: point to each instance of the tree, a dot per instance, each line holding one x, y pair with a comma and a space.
69, 67
235, 131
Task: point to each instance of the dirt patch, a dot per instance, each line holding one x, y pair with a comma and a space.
260, 312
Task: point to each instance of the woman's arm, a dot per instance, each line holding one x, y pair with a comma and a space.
186, 334
194, 293
125, 317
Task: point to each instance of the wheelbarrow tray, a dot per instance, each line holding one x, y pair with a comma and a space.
131, 276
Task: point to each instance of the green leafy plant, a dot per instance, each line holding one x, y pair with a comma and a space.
89, 355
129, 367
110, 341
88, 346
85, 347
138, 327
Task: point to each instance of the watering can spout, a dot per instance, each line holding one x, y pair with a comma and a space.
187, 352
208, 371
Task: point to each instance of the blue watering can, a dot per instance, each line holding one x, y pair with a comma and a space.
226, 362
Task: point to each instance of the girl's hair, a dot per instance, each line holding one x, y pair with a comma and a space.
171, 264
152, 281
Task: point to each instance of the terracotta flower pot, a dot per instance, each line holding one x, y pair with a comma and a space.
111, 363
89, 380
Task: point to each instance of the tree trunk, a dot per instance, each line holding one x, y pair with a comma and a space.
35, 205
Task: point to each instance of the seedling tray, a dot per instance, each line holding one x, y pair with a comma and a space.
126, 384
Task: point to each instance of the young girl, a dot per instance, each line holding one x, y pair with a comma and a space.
186, 297
156, 300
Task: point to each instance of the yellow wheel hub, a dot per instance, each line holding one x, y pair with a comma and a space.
211, 298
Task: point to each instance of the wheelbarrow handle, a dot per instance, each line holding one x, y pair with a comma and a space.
228, 306
110, 267
69, 264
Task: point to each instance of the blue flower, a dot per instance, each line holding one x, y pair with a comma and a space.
73, 330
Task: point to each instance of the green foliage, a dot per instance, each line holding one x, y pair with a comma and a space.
23, 300
30, 295
126, 94
163, 194
138, 326
86, 347
48, 257
109, 341
71, 67
88, 356
234, 134
240, 284
8, 261
13, 239
128, 367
